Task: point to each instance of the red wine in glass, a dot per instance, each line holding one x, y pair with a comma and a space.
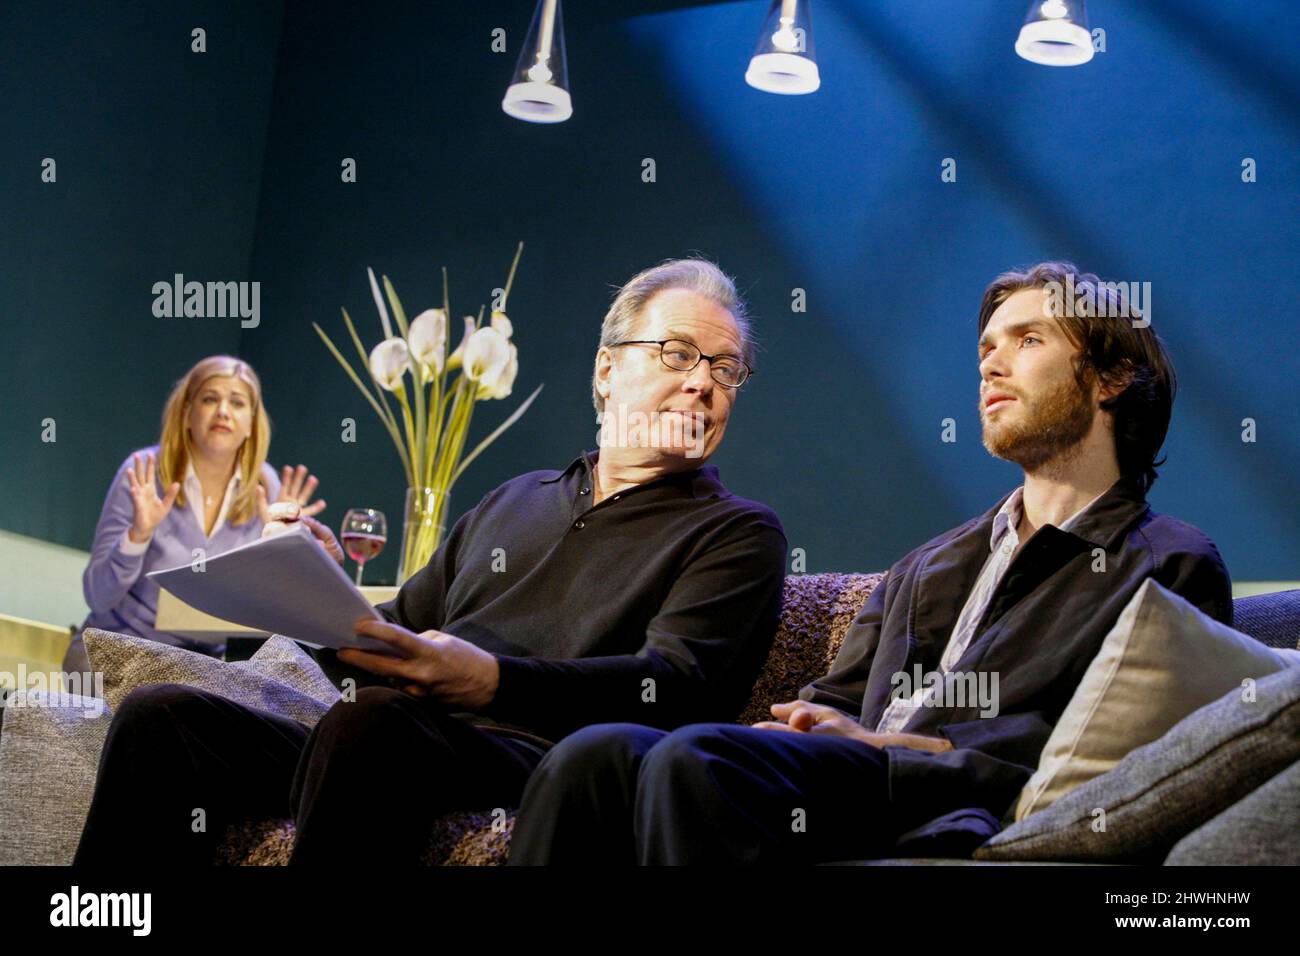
362, 547
364, 533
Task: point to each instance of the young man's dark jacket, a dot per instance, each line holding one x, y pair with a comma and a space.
1044, 625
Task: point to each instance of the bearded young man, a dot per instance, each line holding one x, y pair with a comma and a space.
1023, 594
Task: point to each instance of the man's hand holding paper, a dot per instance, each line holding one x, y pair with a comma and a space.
430, 664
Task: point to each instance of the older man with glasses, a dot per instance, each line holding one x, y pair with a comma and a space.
686, 429
629, 586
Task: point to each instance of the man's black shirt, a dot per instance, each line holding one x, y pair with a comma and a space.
657, 606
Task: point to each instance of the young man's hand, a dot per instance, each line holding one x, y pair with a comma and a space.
799, 716
431, 664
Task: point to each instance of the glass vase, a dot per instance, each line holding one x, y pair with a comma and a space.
423, 523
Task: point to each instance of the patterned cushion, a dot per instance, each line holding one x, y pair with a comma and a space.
281, 677
42, 810
817, 610
463, 838
49, 753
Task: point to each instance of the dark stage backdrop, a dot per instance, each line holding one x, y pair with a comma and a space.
226, 166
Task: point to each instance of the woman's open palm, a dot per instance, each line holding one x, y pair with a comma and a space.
149, 508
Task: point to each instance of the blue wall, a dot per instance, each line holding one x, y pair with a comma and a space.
228, 167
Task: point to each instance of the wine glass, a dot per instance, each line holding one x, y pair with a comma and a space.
364, 534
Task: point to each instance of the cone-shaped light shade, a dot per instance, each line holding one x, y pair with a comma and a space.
1056, 33
539, 91
784, 61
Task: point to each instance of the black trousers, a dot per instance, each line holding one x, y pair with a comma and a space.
707, 793
364, 785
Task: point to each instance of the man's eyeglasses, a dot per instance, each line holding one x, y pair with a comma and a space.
681, 356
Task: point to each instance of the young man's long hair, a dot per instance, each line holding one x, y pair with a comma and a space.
1111, 351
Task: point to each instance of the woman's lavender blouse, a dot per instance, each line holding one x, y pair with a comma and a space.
121, 598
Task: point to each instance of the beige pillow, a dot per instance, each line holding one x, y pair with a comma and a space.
280, 677
1162, 660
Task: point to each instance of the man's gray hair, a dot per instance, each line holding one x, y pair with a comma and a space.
693, 275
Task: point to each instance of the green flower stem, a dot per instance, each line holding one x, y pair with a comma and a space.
365, 364
389, 418
449, 433
510, 279
442, 472
437, 448
410, 428
478, 449
418, 377
434, 431
388, 423
460, 444
398, 312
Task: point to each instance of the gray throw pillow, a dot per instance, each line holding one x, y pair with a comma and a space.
280, 677
1162, 791
51, 744
1263, 829
48, 755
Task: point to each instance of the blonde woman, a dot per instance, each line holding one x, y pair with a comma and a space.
206, 484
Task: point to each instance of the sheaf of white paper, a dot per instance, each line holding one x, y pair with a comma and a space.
285, 584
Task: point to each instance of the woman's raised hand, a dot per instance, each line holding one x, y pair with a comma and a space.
149, 508
296, 485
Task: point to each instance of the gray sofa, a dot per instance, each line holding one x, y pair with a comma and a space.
49, 755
